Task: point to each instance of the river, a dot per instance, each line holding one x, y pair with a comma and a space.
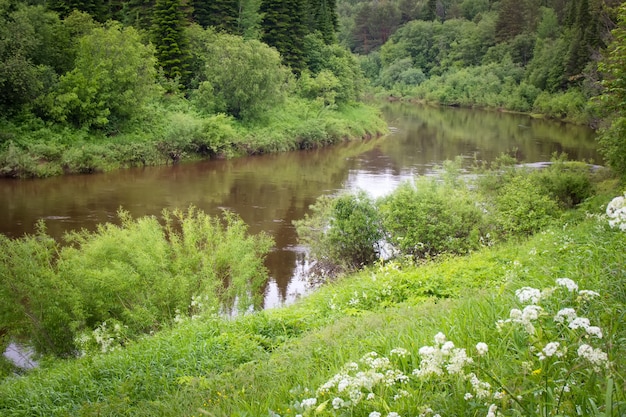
271, 191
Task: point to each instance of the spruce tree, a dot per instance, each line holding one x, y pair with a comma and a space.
284, 28
220, 14
172, 50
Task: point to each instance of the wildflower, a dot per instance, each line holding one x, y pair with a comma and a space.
468, 396
551, 349
402, 352
440, 338
482, 348
564, 314
616, 211
481, 388
458, 360
447, 348
493, 409
587, 294
338, 403
525, 294
567, 283
375, 414
371, 396
579, 322
596, 356
308, 403
498, 395
393, 414
594, 331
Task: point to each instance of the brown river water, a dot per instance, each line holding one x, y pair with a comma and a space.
271, 191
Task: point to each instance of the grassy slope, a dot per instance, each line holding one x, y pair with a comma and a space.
274, 359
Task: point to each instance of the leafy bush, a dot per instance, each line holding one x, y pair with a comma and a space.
428, 219
568, 183
342, 231
522, 208
122, 281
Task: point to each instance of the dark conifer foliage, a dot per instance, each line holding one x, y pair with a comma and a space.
323, 18
98, 9
511, 19
284, 28
172, 50
220, 14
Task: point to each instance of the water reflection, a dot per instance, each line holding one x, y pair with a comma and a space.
269, 192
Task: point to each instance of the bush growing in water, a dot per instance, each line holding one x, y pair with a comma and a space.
121, 281
342, 231
425, 218
429, 218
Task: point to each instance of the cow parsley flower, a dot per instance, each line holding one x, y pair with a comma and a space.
565, 314
567, 283
587, 294
526, 294
375, 414
616, 211
596, 356
493, 410
551, 349
308, 403
482, 348
579, 322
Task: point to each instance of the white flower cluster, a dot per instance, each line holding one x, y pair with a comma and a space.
566, 316
616, 211
525, 317
353, 382
443, 355
597, 357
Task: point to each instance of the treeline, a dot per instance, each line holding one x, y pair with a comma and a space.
529, 55
556, 58
85, 86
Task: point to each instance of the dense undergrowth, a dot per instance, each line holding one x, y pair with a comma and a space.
541, 342
174, 135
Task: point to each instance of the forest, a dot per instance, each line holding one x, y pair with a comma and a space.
90, 86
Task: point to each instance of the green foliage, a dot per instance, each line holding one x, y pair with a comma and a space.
214, 365
168, 36
426, 219
568, 105
113, 78
284, 28
613, 99
342, 231
522, 208
247, 82
110, 286
568, 183
38, 307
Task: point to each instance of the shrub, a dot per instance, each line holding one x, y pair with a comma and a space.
568, 183
427, 219
119, 282
522, 208
342, 231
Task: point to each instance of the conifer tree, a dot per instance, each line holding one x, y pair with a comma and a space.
511, 20
220, 14
323, 19
172, 50
284, 28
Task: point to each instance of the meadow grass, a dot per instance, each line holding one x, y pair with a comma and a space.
277, 361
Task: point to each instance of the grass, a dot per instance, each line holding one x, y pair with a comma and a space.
267, 363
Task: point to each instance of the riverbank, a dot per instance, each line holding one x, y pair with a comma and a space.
304, 359
32, 149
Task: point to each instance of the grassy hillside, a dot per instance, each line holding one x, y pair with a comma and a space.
315, 357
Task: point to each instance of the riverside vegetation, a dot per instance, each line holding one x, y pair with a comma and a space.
516, 310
